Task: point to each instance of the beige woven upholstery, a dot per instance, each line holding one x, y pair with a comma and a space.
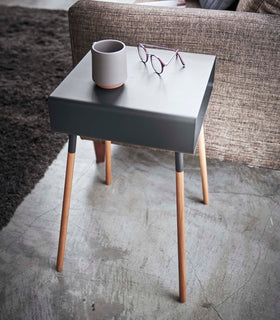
243, 120
262, 6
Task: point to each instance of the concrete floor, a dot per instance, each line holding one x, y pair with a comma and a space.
121, 251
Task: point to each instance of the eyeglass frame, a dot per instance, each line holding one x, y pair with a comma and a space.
163, 65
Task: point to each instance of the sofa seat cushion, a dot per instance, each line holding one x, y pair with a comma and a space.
261, 6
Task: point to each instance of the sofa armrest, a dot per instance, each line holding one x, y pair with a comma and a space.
242, 123
227, 34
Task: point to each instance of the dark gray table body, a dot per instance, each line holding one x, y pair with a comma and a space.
164, 112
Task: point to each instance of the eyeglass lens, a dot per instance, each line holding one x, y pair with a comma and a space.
142, 54
157, 65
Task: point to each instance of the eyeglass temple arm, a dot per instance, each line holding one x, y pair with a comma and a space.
181, 59
154, 46
177, 54
159, 47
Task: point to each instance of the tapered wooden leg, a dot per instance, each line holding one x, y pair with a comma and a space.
66, 201
181, 226
203, 166
99, 148
108, 161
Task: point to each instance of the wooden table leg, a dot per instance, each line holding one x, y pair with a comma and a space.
203, 166
99, 148
66, 201
108, 161
181, 225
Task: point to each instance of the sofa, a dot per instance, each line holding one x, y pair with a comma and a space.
242, 123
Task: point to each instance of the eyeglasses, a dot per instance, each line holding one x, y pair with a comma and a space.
156, 62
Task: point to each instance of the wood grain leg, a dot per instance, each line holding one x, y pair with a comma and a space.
66, 201
203, 166
181, 226
108, 161
99, 148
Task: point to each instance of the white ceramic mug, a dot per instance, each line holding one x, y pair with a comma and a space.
109, 66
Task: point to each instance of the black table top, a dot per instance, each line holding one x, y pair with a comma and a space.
164, 111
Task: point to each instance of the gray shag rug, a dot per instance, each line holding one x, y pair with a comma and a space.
35, 56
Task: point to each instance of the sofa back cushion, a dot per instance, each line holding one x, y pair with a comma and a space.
261, 6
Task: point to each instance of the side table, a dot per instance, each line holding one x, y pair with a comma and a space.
164, 112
